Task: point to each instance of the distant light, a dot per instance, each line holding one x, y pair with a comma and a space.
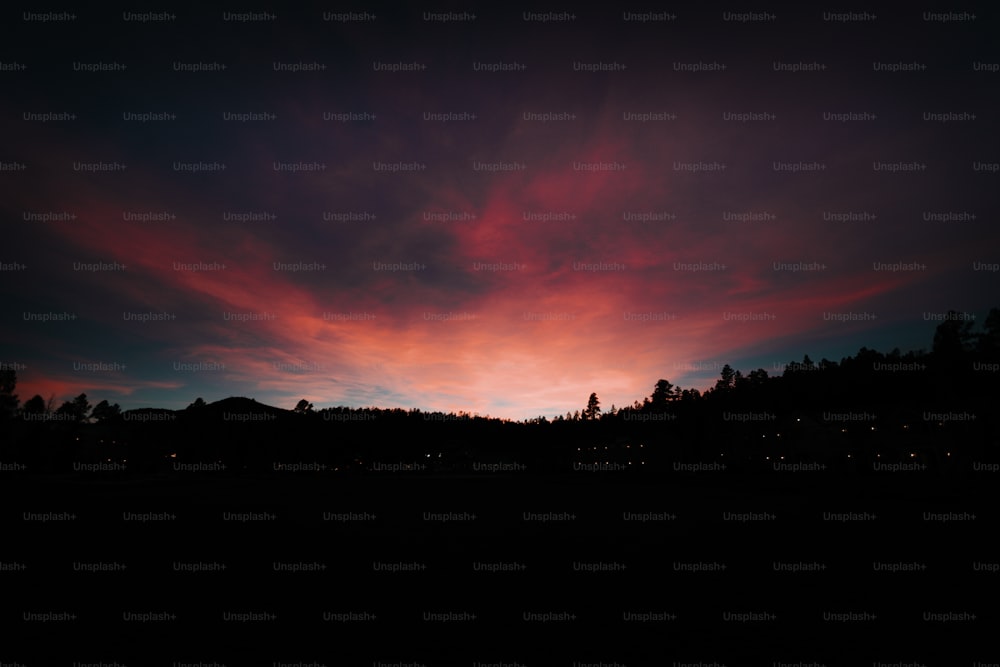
797, 419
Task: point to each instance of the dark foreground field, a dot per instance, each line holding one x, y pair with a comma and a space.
832, 568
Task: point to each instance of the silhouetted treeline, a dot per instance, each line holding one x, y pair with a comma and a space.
935, 408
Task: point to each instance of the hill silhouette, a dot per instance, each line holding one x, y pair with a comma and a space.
934, 409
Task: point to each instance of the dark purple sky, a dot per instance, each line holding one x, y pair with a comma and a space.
501, 242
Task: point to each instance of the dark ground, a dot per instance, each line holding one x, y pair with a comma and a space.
694, 532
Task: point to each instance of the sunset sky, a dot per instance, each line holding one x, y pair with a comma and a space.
514, 262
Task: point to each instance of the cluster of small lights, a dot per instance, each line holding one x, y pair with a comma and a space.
605, 447
595, 447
